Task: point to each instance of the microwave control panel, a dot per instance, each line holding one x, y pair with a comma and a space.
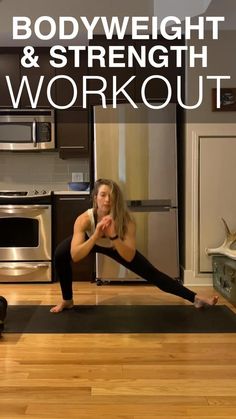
43, 132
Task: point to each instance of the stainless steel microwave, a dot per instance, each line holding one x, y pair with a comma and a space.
27, 129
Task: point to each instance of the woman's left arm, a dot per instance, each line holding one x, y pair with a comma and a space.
126, 247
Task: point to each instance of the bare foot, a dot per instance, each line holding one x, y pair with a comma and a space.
200, 302
64, 305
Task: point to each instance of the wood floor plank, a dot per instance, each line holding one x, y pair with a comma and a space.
129, 410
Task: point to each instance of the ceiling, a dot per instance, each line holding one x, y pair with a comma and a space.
108, 8
76, 8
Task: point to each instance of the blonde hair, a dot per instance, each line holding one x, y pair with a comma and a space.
119, 210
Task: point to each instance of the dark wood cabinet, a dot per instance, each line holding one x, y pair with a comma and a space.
72, 133
64, 88
34, 74
66, 208
62, 91
120, 74
156, 88
9, 66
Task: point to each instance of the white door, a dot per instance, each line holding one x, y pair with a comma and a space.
217, 197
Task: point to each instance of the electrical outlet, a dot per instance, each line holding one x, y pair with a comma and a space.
77, 177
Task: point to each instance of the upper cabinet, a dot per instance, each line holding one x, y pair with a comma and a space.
73, 133
118, 72
64, 88
157, 88
72, 123
131, 73
118, 75
33, 74
9, 65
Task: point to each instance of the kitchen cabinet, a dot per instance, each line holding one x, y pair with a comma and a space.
64, 89
72, 133
66, 209
122, 74
9, 65
157, 88
33, 74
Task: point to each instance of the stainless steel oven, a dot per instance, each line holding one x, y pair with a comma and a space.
25, 239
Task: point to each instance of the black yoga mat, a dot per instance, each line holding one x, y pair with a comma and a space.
120, 319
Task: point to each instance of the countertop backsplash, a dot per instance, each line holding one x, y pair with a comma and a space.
39, 170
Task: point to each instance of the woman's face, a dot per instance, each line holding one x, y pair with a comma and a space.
103, 199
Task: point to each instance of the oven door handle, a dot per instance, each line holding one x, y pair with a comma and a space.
25, 266
12, 209
22, 269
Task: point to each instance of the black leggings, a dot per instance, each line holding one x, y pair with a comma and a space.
139, 265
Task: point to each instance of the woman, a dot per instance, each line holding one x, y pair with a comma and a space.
108, 228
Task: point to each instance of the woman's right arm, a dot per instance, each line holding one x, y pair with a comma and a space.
80, 247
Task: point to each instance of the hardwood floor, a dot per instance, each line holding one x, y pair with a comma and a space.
128, 376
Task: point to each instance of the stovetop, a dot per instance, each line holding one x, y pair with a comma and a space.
33, 193
25, 197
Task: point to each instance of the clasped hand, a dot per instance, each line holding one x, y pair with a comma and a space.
106, 227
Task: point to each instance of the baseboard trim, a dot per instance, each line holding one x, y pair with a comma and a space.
197, 280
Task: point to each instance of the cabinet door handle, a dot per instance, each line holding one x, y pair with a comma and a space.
24, 266
72, 199
72, 146
20, 269
24, 210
